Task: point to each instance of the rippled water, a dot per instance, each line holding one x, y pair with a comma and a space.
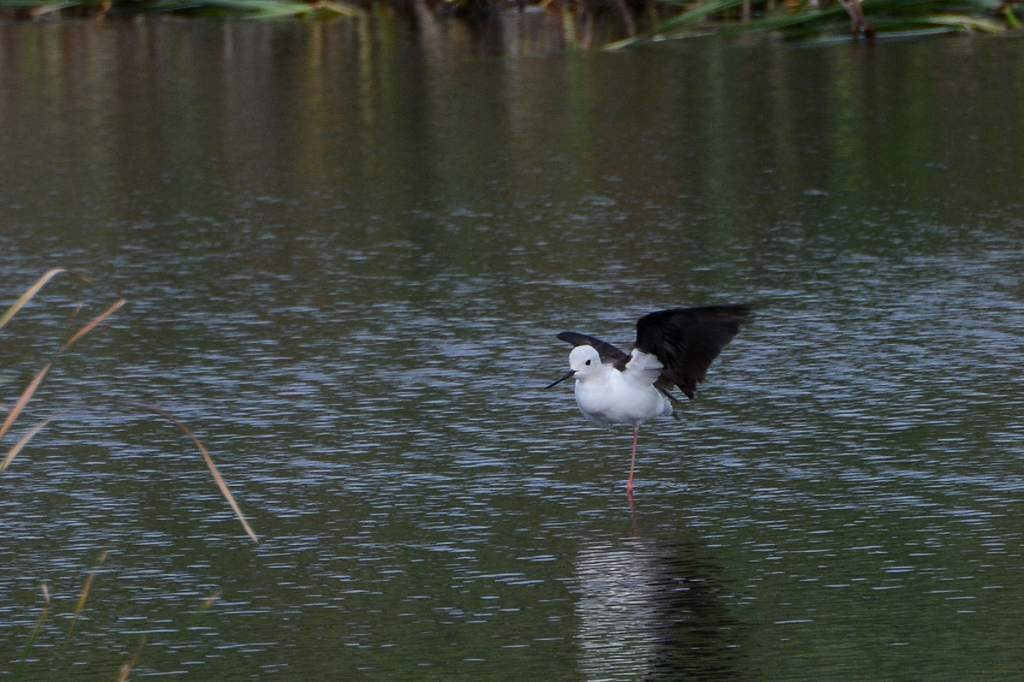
346, 256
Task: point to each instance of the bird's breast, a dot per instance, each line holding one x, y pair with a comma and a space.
612, 400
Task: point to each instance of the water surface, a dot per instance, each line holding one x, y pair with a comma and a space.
347, 250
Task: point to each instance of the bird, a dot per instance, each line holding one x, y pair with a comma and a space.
673, 349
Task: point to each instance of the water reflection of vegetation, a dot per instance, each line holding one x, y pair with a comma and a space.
612, 24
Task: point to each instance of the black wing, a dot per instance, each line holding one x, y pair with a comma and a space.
607, 351
687, 340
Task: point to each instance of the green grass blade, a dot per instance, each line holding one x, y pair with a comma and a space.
1011, 17
688, 17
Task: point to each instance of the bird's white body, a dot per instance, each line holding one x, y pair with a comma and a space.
607, 395
614, 399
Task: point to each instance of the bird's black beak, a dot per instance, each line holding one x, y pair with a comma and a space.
561, 379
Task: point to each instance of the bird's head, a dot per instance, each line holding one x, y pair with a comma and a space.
584, 362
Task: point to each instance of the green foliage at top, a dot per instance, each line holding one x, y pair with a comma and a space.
249, 9
866, 19
793, 19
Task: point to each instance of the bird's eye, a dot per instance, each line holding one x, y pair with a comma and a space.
588, 362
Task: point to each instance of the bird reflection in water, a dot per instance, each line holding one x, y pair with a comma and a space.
652, 611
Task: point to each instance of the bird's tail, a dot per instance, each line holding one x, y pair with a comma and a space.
677, 405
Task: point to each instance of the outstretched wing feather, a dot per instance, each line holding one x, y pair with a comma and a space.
687, 340
607, 352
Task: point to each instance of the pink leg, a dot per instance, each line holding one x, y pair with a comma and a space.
632, 463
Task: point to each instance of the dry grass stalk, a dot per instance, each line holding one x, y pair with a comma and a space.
13, 452
218, 479
129, 665
209, 601
114, 307
83, 598
27, 296
31, 389
26, 395
40, 621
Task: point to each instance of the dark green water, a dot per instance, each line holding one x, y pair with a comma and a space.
347, 251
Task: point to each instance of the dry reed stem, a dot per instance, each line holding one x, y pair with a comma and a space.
26, 395
31, 389
114, 307
86, 591
27, 296
74, 313
218, 479
127, 666
209, 601
13, 452
40, 621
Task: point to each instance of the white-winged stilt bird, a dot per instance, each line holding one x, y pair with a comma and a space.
673, 348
